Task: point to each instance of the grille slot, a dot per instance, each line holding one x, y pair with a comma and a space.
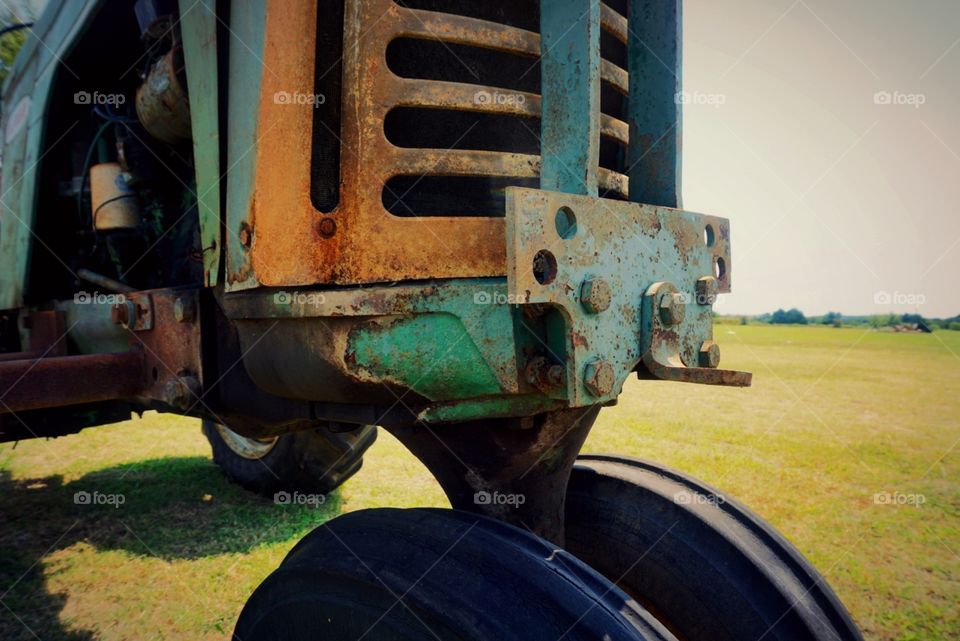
463, 105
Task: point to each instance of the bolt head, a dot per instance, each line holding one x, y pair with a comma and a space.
599, 378
709, 354
672, 308
183, 310
327, 227
595, 295
707, 288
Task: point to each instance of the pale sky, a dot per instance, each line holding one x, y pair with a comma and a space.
835, 201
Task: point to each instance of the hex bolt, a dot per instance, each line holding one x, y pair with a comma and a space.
183, 310
707, 289
595, 295
709, 354
598, 378
555, 375
543, 375
672, 308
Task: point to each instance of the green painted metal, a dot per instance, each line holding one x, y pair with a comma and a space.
654, 49
430, 354
247, 31
26, 142
570, 81
198, 30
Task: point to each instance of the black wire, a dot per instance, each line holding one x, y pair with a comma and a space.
107, 202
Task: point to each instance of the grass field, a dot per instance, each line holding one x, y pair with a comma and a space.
836, 417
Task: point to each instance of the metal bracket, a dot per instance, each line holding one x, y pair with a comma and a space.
595, 260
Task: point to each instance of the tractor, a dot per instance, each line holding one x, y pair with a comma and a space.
459, 221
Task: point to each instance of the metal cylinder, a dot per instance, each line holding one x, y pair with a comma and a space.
162, 104
114, 203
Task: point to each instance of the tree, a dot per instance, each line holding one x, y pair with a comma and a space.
791, 317
832, 318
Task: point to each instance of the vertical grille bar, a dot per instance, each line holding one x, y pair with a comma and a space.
570, 90
654, 112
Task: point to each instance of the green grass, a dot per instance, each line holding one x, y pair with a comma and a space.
835, 416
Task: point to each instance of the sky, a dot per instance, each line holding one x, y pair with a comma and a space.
840, 199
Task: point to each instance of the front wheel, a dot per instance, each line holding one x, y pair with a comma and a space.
705, 565
311, 461
436, 575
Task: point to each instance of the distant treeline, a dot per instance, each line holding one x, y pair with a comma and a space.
796, 317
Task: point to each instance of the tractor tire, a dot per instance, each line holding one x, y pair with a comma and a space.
704, 565
429, 574
312, 461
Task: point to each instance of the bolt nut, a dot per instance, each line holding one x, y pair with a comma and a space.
595, 295
543, 375
707, 289
183, 310
709, 354
599, 378
672, 308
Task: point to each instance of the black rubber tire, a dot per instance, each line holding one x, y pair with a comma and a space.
312, 461
706, 566
436, 574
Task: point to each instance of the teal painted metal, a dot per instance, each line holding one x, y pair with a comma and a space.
247, 31
198, 30
654, 49
25, 141
570, 87
630, 247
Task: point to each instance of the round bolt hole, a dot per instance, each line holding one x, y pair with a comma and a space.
566, 223
708, 236
720, 267
544, 267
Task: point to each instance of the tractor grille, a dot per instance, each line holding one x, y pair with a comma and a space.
450, 103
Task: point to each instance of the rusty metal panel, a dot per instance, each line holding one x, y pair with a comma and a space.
286, 241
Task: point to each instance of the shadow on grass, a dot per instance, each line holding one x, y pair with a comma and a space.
173, 508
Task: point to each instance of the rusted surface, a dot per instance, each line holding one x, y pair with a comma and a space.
163, 363
630, 247
69, 380
370, 244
